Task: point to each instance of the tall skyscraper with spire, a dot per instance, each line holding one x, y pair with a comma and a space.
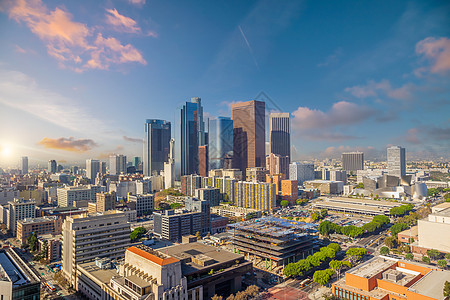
156, 145
192, 135
169, 167
249, 129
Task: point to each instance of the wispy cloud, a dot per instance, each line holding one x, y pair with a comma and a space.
375, 89
132, 140
21, 92
248, 46
20, 49
68, 144
333, 58
437, 51
120, 22
137, 2
316, 124
73, 44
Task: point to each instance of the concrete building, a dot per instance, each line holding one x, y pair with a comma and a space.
203, 160
336, 175
248, 134
256, 174
202, 206
40, 226
53, 244
24, 165
117, 164
8, 194
256, 195
289, 191
38, 195
356, 206
52, 166
189, 183
396, 161
229, 173
353, 161
218, 224
387, 278
434, 231
143, 204
68, 195
209, 194
325, 186
220, 141
87, 237
156, 146
275, 179
231, 211
169, 167
18, 281
192, 135
173, 226
145, 274
19, 209
105, 201
280, 135
301, 172
93, 167
277, 164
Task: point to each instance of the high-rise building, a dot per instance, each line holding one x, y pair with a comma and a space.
396, 160
353, 161
117, 164
87, 237
209, 194
173, 226
24, 165
277, 164
93, 166
144, 204
156, 145
52, 166
256, 195
256, 174
202, 206
249, 129
220, 134
203, 160
189, 183
280, 134
169, 167
68, 196
289, 191
136, 161
106, 201
301, 172
19, 209
192, 135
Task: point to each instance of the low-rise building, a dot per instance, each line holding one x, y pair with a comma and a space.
409, 236
53, 244
227, 210
218, 224
325, 186
388, 278
40, 226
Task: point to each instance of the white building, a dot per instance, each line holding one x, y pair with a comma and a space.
169, 167
20, 209
93, 167
87, 237
301, 172
396, 160
8, 194
117, 164
67, 195
144, 203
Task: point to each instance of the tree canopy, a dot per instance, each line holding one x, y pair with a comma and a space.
137, 233
384, 250
284, 203
356, 254
302, 266
322, 277
401, 210
397, 228
327, 227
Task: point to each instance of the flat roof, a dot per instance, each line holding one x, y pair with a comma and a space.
440, 207
413, 231
102, 275
366, 202
16, 274
186, 251
431, 284
354, 207
372, 267
38, 220
153, 255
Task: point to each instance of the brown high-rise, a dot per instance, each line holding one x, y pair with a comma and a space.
249, 128
203, 161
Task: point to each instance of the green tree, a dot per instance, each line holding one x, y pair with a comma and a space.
355, 254
447, 255
397, 228
322, 277
391, 242
284, 203
216, 297
199, 237
323, 213
442, 263
335, 246
175, 205
446, 290
384, 250
359, 186
433, 253
32, 241
137, 233
426, 259
409, 256
336, 265
315, 216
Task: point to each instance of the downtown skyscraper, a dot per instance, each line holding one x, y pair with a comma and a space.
249, 129
156, 145
396, 161
117, 164
220, 136
280, 134
192, 135
24, 165
353, 161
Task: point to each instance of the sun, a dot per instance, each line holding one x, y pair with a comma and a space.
6, 150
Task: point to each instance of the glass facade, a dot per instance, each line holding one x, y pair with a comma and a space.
220, 141
156, 145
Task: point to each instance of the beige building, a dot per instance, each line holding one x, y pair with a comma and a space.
40, 226
145, 274
325, 186
434, 231
226, 210
87, 237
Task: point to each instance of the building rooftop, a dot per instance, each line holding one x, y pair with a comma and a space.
102, 275
440, 207
13, 269
38, 220
367, 202
271, 226
432, 284
442, 213
413, 231
198, 256
373, 266
154, 256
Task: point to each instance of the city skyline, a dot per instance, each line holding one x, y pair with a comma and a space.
371, 76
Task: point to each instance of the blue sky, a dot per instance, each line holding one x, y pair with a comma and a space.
79, 78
